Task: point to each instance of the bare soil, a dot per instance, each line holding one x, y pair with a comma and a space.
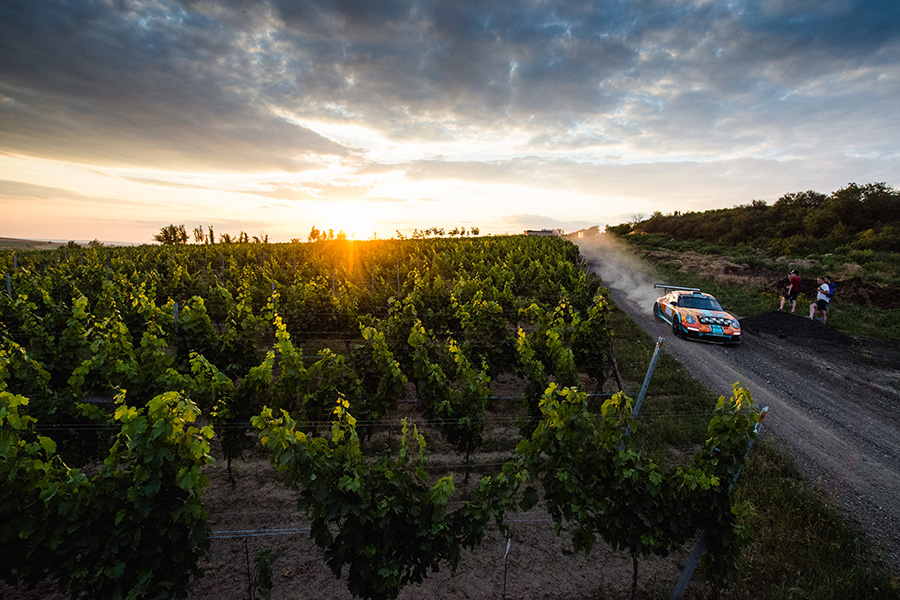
832, 399
260, 513
532, 563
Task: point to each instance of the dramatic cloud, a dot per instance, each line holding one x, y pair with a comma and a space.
648, 102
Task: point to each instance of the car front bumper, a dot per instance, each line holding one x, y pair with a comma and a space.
716, 335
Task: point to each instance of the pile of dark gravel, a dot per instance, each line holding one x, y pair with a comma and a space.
786, 325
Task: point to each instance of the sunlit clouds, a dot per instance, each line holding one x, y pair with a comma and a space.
119, 117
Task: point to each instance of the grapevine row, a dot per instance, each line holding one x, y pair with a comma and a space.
193, 333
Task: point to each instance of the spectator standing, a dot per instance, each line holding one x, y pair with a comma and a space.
791, 290
822, 299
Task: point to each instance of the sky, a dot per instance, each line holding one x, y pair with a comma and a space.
118, 117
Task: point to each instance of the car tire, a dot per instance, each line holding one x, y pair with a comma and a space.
656, 312
676, 326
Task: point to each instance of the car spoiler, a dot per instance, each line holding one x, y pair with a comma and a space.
675, 287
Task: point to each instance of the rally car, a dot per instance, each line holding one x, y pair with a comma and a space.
696, 315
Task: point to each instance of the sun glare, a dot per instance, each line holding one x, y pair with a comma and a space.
355, 219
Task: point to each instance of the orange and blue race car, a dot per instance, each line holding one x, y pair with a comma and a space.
696, 315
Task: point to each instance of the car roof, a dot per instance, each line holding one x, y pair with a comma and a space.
687, 293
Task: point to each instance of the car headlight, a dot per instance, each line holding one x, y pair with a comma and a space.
690, 319
723, 321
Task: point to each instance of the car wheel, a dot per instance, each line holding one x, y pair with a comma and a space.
676, 326
656, 312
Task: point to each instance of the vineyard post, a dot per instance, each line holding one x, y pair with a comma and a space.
8, 285
506, 564
644, 387
175, 313
700, 547
107, 267
647, 377
249, 571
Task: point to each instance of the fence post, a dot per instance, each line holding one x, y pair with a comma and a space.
505, 563
700, 546
176, 317
643, 392
8, 285
647, 377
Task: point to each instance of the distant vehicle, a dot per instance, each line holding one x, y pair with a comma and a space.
696, 315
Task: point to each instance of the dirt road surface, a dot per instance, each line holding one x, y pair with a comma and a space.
834, 402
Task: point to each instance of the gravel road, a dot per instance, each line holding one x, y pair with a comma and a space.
833, 401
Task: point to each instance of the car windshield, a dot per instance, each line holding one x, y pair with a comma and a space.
701, 302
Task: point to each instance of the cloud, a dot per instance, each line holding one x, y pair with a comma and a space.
15, 191
130, 83
653, 101
196, 84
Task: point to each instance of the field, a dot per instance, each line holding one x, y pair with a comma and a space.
142, 364
15, 244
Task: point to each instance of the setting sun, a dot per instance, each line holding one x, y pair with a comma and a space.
356, 219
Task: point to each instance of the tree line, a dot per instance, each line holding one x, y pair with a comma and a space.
855, 217
172, 234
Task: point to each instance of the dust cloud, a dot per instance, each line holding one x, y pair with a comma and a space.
619, 270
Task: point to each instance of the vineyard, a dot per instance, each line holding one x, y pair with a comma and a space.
124, 370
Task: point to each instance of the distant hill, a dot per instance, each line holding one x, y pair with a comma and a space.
7, 243
19, 244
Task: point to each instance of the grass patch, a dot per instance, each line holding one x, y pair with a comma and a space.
864, 321
870, 265
803, 548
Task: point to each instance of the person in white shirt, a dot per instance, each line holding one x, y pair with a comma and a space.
821, 303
